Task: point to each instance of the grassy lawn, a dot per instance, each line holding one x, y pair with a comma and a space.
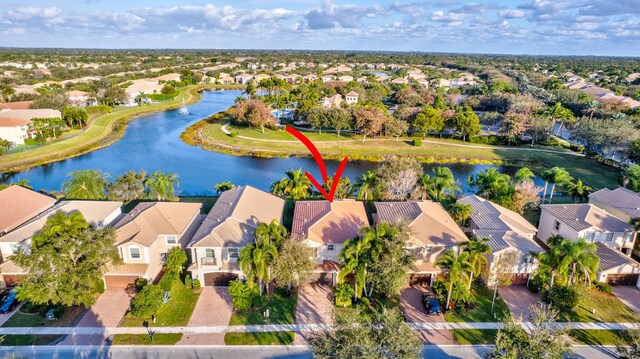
140, 339
175, 313
480, 313
598, 337
281, 311
19, 319
433, 150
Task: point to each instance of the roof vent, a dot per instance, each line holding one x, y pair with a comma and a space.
564, 207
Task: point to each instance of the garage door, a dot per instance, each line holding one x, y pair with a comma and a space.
420, 279
321, 278
120, 281
622, 279
519, 278
219, 279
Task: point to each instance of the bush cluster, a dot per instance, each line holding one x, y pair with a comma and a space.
563, 298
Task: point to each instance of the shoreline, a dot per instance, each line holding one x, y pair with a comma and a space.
108, 128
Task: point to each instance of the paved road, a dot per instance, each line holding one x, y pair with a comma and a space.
287, 327
246, 352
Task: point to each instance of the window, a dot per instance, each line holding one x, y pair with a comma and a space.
172, 239
556, 225
627, 236
209, 253
134, 252
428, 250
589, 236
527, 259
608, 237
330, 247
233, 253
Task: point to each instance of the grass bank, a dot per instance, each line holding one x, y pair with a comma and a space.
101, 132
208, 134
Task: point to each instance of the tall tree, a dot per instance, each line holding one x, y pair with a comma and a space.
396, 128
161, 186
460, 213
128, 187
344, 188
256, 260
366, 185
353, 260
85, 184
442, 182
555, 175
369, 120
147, 302
466, 122
294, 264
429, 119
579, 260
578, 190
399, 177
223, 187
274, 233
70, 257
295, 186
458, 267
523, 174
559, 113
478, 249
75, 116
494, 186
5, 145
176, 260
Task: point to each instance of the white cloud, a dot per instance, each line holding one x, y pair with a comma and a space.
512, 14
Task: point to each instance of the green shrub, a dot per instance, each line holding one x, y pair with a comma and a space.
167, 282
162, 97
98, 109
417, 142
535, 283
99, 287
196, 284
42, 310
342, 295
563, 298
244, 295
486, 140
187, 281
233, 134
364, 302
59, 311
29, 307
603, 287
259, 301
141, 283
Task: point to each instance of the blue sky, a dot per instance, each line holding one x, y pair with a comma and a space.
561, 27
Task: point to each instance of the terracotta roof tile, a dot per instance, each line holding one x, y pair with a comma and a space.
18, 205
325, 222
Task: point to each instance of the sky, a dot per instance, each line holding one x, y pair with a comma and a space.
537, 27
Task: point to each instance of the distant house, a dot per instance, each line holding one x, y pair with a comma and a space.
325, 226
310, 78
98, 213
345, 78
620, 202
18, 105
243, 79
227, 80
416, 75
351, 97
253, 66
24, 204
229, 227
616, 268
585, 220
400, 81
260, 77
14, 130
362, 79
80, 98
423, 82
333, 101
146, 234
511, 239
433, 233
327, 78
292, 79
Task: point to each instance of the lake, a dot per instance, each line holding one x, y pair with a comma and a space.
153, 142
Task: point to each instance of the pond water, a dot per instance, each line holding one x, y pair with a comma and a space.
153, 142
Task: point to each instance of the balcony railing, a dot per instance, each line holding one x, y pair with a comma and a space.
208, 261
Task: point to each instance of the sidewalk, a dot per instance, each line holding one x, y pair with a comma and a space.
286, 327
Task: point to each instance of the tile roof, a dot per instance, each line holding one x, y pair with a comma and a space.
148, 220
325, 222
13, 122
581, 216
94, 212
430, 223
235, 216
18, 105
611, 258
622, 199
29, 114
19, 205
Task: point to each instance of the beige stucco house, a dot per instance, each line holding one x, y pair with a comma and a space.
616, 268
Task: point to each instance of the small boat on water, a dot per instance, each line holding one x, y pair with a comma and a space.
183, 110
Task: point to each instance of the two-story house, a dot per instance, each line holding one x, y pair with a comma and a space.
146, 234
18, 205
97, 213
433, 233
325, 226
585, 220
229, 226
511, 238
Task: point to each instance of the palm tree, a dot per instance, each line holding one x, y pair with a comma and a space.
592, 107
353, 259
523, 174
477, 249
555, 175
273, 232
578, 190
550, 260
86, 184
366, 185
4, 145
295, 186
255, 261
579, 258
161, 186
128, 187
460, 212
344, 188
562, 114
223, 186
442, 181
60, 223
458, 267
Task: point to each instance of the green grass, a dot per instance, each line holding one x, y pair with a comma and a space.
481, 312
175, 313
19, 319
16, 340
599, 337
209, 135
142, 339
475, 336
282, 310
608, 309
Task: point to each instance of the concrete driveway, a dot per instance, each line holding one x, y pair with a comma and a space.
519, 298
214, 308
108, 310
315, 306
415, 312
629, 295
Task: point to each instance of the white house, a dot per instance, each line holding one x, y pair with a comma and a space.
14, 130
585, 220
511, 239
243, 78
351, 97
80, 98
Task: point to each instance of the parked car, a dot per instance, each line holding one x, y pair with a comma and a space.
9, 303
431, 303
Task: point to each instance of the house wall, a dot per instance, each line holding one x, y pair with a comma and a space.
15, 135
618, 241
546, 230
508, 261
624, 269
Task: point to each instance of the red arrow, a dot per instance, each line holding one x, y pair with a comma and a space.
323, 169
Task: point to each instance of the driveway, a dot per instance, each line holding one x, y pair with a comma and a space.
629, 295
315, 306
519, 299
415, 312
108, 310
214, 308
